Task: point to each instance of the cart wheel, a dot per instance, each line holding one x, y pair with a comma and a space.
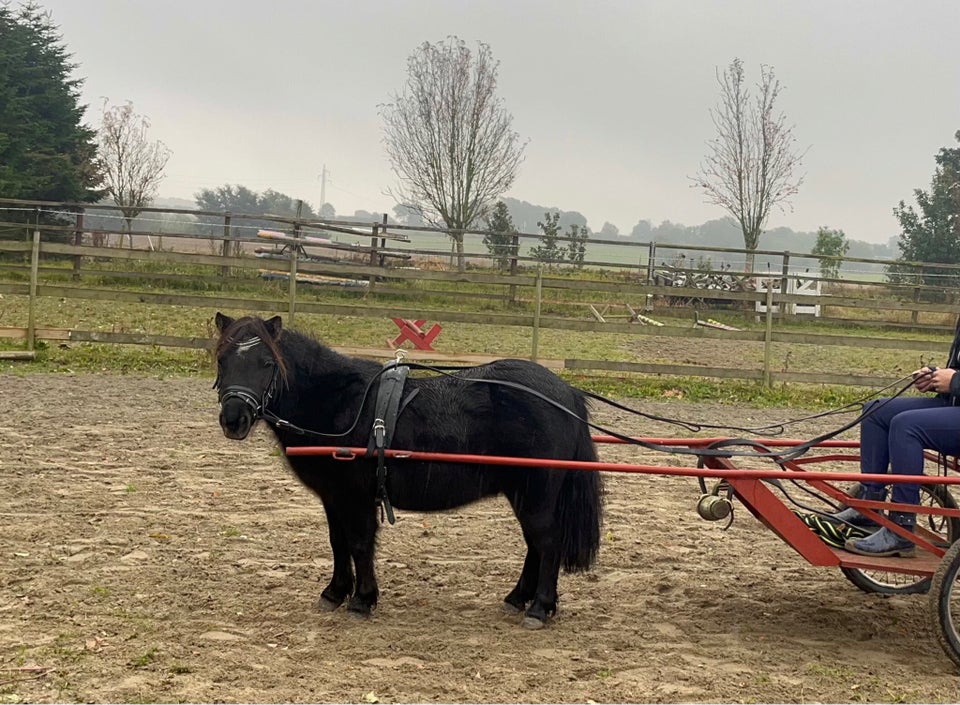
945, 602
948, 528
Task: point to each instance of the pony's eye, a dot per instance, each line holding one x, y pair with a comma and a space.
268, 362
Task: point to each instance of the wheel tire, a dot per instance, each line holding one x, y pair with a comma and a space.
948, 527
942, 587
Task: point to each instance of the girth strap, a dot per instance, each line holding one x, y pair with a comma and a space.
388, 408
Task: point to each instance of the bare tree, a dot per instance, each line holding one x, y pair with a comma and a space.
132, 165
448, 137
752, 160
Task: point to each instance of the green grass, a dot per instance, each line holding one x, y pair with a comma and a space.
145, 659
503, 341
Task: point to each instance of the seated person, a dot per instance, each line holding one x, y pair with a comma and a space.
895, 435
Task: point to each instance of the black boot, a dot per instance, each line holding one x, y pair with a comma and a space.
853, 517
885, 542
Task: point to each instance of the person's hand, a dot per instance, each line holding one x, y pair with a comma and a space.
933, 379
923, 379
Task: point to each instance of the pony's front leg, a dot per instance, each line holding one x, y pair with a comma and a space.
341, 584
363, 539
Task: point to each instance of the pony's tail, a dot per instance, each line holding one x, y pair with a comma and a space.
580, 510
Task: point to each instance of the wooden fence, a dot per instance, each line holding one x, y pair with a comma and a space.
72, 267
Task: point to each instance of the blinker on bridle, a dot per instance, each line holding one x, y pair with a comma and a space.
245, 394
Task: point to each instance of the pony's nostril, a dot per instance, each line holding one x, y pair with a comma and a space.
236, 420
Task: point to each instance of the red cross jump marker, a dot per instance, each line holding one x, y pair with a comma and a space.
413, 331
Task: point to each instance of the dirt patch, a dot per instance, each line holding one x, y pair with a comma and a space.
143, 557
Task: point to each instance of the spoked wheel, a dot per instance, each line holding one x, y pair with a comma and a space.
947, 528
945, 602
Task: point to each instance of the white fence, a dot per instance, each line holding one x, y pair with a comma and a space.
795, 285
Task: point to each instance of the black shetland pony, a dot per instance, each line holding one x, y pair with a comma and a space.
294, 383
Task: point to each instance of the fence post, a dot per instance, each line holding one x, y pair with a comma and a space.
78, 241
536, 314
784, 286
652, 253
373, 255
373, 244
768, 336
34, 275
383, 243
294, 255
915, 314
225, 248
515, 248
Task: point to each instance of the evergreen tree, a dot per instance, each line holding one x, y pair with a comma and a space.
500, 234
46, 153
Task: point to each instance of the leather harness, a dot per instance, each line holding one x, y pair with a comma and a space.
390, 403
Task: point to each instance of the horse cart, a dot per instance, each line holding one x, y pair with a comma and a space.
529, 432
935, 568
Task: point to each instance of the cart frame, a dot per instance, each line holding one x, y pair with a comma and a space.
936, 564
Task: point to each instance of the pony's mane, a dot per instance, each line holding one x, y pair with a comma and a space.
248, 327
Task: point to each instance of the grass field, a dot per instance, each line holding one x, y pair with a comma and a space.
503, 341
159, 277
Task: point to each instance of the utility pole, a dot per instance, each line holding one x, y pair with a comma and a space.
323, 189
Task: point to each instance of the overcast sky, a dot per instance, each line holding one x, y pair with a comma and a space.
614, 97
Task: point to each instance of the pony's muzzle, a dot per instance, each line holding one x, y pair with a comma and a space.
236, 419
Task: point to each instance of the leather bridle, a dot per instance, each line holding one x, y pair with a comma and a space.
257, 404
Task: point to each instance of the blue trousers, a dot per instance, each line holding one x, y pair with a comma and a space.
895, 435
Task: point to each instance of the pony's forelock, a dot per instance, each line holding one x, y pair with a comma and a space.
248, 327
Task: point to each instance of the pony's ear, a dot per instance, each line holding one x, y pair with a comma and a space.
222, 321
274, 325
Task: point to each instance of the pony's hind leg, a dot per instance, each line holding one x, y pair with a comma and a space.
541, 568
526, 587
544, 603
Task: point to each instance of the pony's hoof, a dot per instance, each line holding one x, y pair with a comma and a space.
510, 608
532, 623
325, 604
359, 607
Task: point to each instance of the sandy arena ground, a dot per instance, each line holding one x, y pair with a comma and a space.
144, 557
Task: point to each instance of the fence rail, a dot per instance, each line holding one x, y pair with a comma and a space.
42, 264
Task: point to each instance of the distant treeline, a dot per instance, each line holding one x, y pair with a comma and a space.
721, 232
